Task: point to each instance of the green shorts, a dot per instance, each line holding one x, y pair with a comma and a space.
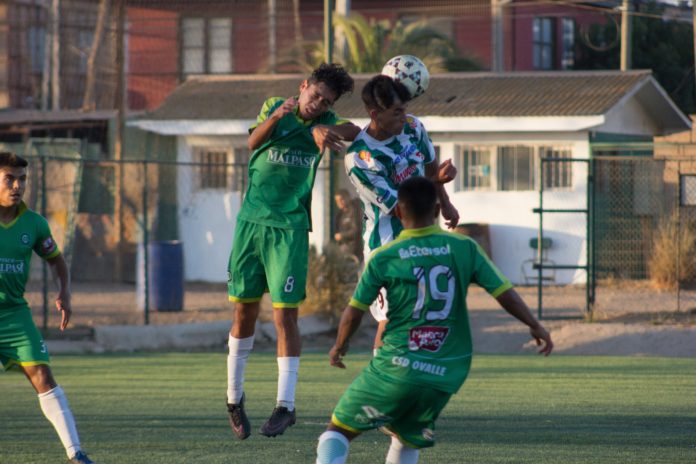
21, 343
272, 259
407, 410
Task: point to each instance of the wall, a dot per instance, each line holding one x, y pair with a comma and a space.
512, 222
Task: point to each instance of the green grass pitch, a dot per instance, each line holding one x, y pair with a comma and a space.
170, 408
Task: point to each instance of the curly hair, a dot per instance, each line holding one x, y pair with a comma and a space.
10, 160
381, 92
334, 76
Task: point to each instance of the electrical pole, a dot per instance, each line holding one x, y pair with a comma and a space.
328, 30
625, 35
497, 61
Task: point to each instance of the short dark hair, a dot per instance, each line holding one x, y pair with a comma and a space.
381, 92
12, 160
334, 76
418, 197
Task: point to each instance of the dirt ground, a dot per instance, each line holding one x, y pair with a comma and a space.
624, 314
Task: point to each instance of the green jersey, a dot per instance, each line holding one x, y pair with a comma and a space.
282, 171
426, 273
27, 233
377, 168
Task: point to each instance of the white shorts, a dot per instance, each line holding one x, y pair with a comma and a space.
380, 306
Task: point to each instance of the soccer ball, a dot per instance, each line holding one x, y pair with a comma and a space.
410, 71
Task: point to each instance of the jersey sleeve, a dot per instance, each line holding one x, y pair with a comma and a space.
370, 178
268, 107
486, 274
45, 246
425, 145
368, 287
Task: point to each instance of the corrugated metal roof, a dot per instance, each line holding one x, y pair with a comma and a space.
568, 93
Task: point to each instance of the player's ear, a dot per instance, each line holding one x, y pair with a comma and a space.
397, 212
373, 114
304, 85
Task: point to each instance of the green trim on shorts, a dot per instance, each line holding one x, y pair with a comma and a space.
245, 300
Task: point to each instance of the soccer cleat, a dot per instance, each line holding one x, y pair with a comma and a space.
239, 420
280, 420
81, 458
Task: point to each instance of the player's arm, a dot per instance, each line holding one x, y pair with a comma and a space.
333, 136
59, 269
264, 129
441, 174
371, 181
511, 301
350, 322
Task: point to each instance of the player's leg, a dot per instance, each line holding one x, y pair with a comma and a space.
246, 284
334, 444
399, 453
22, 346
286, 261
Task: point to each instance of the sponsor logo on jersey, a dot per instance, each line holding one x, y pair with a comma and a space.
365, 156
427, 338
48, 246
291, 158
415, 251
411, 121
420, 366
25, 239
11, 266
399, 177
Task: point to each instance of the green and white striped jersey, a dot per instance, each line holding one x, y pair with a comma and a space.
377, 168
427, 273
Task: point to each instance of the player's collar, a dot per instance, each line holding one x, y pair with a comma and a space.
423, 231
20, 211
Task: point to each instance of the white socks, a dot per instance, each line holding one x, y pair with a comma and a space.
236, 364
55, 407
401, 454
332, 448
287, 381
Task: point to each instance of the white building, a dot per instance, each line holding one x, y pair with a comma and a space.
496, 128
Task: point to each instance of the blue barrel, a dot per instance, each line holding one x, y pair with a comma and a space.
165, 273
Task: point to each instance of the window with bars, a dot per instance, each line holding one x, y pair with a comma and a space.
206, 46
557, 174
474, 166
221, 168
511, 167
516, 168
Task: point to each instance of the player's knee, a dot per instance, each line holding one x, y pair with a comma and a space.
41, 377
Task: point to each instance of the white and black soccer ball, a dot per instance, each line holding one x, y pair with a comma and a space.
410, 71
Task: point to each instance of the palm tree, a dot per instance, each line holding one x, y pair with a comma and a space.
370, 44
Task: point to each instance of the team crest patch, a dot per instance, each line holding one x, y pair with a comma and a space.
48, 245
365, 156
411, 121
427, 338
24, 239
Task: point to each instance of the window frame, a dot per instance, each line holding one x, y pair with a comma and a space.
207, 49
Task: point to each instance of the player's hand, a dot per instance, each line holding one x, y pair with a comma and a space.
449, 214
326, 137
446, 172
63, 305
336, 356
540, 334
287, 107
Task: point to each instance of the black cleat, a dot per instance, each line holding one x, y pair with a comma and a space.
81, 458
280, 420
239, 420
